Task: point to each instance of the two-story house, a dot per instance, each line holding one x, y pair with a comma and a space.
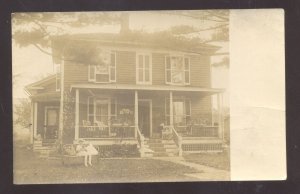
109, 88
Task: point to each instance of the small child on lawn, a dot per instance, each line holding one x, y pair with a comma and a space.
87, 150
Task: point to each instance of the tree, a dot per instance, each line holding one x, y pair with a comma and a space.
37, 29
22, 113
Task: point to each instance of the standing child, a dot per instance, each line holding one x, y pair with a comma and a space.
87, 150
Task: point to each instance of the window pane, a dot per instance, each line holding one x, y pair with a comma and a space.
112, 74
113, 106
92, 72
102, 68
187, 77
57, 83
168, 64
168, 74
147, 62
113, 61
91, 119
186, 64
140, 75
167, 106
147, 75
140, 61
102, 78
178, 108
177, 77
187, 107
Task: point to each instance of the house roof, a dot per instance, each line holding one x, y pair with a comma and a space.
47, 96
148, 88
41, 83
135, 39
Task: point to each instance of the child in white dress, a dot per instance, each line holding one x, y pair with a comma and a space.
87, 150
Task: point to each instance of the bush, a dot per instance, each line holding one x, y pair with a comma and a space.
118, 150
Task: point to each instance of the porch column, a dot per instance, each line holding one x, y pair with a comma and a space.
136, 114
219, 116
31, 122
171, 109
35, 119
77, 114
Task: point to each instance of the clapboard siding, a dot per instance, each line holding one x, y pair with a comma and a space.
125, 67
126, 70
201, 107
75, 73
158, 68
200, 70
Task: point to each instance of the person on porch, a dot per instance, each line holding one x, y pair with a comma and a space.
87, 150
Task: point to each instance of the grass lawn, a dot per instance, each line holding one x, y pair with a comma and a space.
30, 169
216, 160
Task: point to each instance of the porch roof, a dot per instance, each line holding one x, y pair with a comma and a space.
46, 96
148, 88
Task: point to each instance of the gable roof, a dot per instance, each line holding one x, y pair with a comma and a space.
38, 85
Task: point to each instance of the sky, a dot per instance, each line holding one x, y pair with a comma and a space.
30, 64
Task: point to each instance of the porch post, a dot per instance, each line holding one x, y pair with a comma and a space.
136, 114
77, 114
35, 119
171, 109
219, 116
31, 122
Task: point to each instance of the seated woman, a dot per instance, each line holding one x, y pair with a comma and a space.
85, 149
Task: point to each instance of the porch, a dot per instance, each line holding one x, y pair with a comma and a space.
104, 115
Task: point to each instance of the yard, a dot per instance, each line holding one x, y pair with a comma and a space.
30, 169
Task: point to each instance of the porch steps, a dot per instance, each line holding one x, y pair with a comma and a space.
161, 148
43, 149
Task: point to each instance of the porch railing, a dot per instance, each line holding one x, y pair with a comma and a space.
198, 131
177, 139
106, 132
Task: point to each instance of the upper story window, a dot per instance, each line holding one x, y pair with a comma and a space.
177, 70
58, 74
105, 71
143, 68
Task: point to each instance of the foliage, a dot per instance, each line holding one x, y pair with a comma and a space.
125, 116
22, 111
39, 29
69, 117
118, 150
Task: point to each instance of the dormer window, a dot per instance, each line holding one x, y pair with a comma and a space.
105, 70
177, 70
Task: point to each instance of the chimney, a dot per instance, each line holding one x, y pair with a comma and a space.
124, 23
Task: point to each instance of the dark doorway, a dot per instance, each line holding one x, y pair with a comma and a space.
51, 122
145, 117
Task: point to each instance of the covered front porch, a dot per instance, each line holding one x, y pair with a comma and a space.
105, 114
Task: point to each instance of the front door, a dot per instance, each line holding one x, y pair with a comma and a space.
51, 122
144, 119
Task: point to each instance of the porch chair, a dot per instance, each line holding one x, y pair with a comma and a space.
88, 127
101, 127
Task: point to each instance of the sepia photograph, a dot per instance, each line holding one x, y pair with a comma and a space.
122, 96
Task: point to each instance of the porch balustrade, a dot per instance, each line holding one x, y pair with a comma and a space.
106, 132
198, 131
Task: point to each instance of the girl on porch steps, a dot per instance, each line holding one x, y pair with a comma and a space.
87, 150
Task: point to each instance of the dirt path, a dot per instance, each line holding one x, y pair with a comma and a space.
205, 173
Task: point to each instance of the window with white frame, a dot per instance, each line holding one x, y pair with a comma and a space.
101, 109
181, 111
58, 74
105, 70
177, 70
143, 69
